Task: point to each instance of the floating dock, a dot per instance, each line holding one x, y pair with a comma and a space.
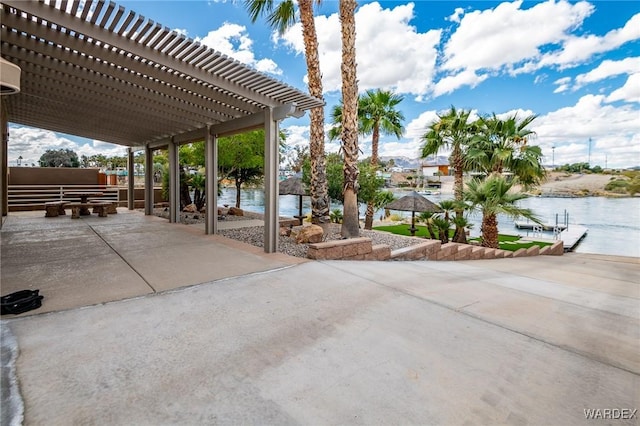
537, 226
572, 235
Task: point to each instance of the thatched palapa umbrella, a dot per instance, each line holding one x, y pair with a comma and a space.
294, 186
413, 202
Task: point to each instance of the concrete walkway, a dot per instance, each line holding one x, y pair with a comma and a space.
532, 341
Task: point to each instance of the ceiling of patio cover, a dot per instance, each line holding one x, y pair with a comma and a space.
96, 70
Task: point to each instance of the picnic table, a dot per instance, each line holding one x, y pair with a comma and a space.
84, 197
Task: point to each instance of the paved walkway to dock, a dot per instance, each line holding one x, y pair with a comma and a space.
170, 326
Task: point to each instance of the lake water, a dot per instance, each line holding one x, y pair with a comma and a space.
613, 223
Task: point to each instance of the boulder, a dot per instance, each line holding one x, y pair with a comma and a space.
285, 231
309, 234
234, 211
191, 208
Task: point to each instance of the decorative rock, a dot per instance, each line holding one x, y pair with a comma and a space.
309, 234
191, 208
285, 231
234, 211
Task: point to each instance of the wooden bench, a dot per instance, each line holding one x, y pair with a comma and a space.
112, 209
100, 208
54, 208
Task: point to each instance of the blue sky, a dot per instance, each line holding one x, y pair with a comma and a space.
574, 64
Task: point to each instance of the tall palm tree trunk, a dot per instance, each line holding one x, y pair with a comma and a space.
350, 223
458, 187
375, 140
318, 190
490, 230
375, 143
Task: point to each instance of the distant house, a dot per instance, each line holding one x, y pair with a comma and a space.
435, 166
396, 169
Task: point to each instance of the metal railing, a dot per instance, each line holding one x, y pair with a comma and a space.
33, 197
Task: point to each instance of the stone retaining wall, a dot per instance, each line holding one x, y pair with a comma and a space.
363, 249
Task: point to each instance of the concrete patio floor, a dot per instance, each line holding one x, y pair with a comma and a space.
203, 330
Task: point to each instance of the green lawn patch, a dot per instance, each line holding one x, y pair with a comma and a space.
403, 229
507, 242
513, 242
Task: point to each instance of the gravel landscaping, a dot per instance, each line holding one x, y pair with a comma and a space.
254, 235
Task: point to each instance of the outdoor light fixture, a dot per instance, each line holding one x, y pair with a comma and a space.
9, 77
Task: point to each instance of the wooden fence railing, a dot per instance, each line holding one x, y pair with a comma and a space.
33, 197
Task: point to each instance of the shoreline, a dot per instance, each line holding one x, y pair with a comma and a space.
254, 235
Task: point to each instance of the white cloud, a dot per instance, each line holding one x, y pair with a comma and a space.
181, 31
30, 143
390, 53
630, 92
507, 35
563, 84
614, 133
234, 41
409, 149
410, 145
457, 13
608, 68
578, 49
464, 78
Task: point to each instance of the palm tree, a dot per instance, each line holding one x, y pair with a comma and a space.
281, 15
378, 114
501, 145
447, 207
492, 196
427, 218
350, 223
452, 131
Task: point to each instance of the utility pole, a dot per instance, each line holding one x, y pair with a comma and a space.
589, 161
553, 157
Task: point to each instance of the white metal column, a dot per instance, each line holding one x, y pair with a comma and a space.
211, 182
271, 214
131, 196
174, 183
4, 165
148, 180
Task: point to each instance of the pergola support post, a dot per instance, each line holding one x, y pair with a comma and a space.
131, 196
271, 214
4, 163
211, 182
148, 181
174, 183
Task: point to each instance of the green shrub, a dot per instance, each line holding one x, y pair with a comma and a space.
336, 216
619, 186
395, 217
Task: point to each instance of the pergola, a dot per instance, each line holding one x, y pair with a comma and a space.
96, 70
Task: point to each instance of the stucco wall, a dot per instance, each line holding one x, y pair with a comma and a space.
53, 176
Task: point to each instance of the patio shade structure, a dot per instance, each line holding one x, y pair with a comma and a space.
96, 70
413, 202
294, 186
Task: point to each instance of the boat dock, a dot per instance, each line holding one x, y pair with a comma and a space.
570, 235
538, 226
